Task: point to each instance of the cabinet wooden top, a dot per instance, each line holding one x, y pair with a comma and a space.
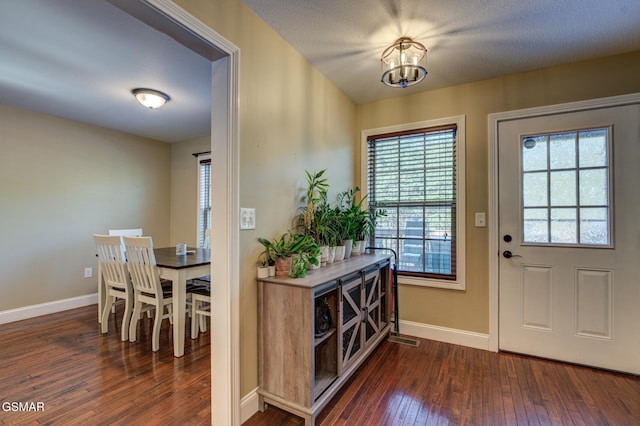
331, 272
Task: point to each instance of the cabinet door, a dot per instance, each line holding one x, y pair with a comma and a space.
372, 305
351, 320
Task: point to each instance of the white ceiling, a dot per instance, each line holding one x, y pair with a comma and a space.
79, 59
467, 40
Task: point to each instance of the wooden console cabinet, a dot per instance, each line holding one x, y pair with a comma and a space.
300, 370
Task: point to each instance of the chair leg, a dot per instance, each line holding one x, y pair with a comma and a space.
203, 323
135, 317
194, 319
126, 318
157, 323
104, 323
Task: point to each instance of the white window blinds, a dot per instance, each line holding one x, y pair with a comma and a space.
412, 176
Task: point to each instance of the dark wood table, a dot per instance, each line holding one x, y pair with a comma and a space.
179, 269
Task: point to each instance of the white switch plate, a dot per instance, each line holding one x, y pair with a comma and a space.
247, 218
481, 220
88, 272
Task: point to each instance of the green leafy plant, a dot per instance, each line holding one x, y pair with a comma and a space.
301, 247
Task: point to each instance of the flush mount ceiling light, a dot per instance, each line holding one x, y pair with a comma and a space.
404, 63
152, 99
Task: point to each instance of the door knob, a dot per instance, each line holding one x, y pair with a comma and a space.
508, 255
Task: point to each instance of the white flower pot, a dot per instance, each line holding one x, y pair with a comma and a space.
339, 254
263, 272
348, 247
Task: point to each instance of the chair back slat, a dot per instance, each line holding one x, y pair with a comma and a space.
141, 262
112, 262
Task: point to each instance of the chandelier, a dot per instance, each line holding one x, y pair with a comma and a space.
404, 63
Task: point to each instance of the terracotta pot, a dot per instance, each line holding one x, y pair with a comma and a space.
283, 265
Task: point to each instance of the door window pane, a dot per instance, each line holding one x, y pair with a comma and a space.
563, 188
536, 226
534, 153
562, 151
594, 226
534, 191
564, 226
593, 148
593, 187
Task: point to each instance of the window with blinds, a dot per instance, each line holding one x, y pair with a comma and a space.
204, 197
412, 176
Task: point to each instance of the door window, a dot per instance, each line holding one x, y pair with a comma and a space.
566, 188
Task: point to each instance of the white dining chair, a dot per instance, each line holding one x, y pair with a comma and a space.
200, 309
117, 284
147, 289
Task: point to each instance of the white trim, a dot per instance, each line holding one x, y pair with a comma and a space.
494, 121
249, 405
445, 334
459, 120
225, 237
33, 311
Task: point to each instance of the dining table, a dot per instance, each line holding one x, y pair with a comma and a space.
179, 268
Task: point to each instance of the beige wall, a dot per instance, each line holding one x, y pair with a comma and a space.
60, 182
184, 190
469, 309
292, 119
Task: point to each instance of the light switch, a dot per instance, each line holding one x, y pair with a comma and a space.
247, 218
481, 220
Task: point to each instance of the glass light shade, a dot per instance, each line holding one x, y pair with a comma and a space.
404, 63
150, 98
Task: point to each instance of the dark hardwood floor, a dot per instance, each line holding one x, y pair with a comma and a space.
85, 378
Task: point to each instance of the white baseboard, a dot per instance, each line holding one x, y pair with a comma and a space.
249, 405
33, 311
444, 334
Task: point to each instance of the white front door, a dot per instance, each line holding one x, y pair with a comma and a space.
569, 229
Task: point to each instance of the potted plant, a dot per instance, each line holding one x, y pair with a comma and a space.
263, 267
283, 249
312, 220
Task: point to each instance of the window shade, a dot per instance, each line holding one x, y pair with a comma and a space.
204, 199
412, 176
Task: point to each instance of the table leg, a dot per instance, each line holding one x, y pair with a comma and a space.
179, 311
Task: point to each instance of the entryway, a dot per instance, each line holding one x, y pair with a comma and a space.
565, 275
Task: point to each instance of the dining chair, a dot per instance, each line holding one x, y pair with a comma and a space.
200, 309
147, 289
117, 284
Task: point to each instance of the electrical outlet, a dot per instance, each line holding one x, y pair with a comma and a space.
88, 272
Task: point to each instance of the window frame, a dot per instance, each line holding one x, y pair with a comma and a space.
459, 121
201, 158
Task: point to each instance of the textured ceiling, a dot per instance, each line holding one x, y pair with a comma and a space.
466, 40
79, 59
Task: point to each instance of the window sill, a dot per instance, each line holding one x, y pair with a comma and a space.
428, 282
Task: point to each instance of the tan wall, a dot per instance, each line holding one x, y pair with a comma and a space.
469, 309
60, 182
184, 190
292, 119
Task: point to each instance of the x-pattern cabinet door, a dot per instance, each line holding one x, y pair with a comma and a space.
351, 319
371, 304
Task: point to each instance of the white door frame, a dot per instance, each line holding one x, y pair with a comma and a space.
225, 171
494, 235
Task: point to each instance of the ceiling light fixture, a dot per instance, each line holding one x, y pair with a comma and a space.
404, 63
152, 99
